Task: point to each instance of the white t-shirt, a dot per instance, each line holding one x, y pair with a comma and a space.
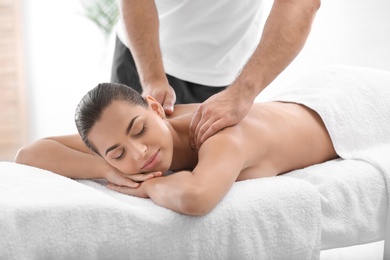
207, 42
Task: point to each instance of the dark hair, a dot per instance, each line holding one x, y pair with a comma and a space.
91, 106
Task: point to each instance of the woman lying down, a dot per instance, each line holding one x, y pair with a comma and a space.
130, 142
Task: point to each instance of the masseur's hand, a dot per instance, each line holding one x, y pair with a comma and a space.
119, 178
163, 94
224, 109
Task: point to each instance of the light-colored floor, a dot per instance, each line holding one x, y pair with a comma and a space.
372, 251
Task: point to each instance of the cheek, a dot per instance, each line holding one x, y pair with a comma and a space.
166, 142
163, 135
125, 166
162, 128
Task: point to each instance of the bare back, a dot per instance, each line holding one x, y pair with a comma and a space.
286, 136
274, 138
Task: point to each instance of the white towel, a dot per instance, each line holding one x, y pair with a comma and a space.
354, 104
353, 201
46, 216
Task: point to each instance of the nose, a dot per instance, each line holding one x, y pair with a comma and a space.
138, 149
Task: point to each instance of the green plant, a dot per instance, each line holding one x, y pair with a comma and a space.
104, 13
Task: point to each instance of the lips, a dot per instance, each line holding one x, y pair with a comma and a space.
151, 162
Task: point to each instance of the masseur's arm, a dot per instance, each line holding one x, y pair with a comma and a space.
69, 156
199, 191
285, 32
141, 24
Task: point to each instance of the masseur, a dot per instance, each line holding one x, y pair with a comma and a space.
187, 51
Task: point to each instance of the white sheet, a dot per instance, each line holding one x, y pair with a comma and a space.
338, 203
46, 216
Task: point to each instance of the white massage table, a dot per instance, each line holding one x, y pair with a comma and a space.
46, 216
340, 203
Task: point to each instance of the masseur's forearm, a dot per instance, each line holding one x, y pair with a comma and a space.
284, 35
53, 156
141, 22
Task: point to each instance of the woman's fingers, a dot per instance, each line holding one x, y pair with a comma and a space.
121, 180
130, 180
138, 192
141, 177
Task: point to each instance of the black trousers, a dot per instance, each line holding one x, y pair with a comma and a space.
124, 71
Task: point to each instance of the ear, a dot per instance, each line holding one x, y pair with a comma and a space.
155, 106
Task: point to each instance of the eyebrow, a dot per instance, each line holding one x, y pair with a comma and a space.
127, 132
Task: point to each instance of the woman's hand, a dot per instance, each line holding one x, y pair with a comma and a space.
121, 179
140, 191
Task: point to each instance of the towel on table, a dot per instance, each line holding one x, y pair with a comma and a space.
47, 216
354, 104
353, 201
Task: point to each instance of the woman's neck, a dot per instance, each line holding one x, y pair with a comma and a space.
184, 157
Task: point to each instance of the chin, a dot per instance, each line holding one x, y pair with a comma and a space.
164, 169
166, 161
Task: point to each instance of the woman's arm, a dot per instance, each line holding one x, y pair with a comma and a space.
69, 156
199, 191
64, 155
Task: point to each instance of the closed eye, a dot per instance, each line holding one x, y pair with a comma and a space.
141, 132
121, 155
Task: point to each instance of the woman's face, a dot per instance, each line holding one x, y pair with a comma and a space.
132, 138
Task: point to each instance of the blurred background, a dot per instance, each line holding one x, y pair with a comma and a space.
61, 53
53, 52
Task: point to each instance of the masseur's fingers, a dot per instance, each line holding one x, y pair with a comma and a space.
208, 118
222, 110
207, 130
169, 101
193, 127
201, 122
202, 126
163, 94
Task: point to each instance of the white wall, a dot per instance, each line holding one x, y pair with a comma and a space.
67, 54
348, 32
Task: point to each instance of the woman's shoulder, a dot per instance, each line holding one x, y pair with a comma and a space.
183, 109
